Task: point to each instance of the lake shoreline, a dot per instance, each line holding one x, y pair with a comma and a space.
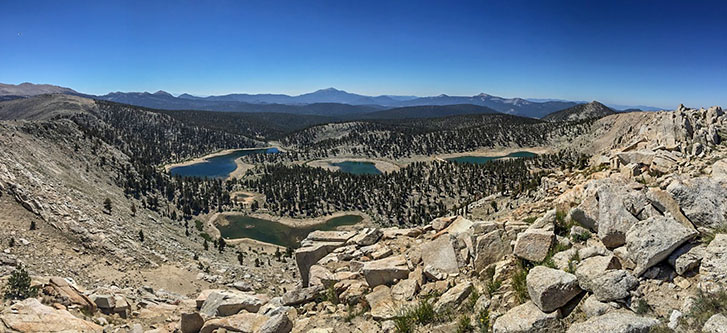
495, 152
170, 166
327, 163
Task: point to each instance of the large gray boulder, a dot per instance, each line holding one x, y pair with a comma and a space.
385, 271
715, 324
614, 285
713, 270
382, 303
453, 297
439, 255
279, 323
615, 322
227, 303
687, 257
527, 318
650, 241
534, 244
591, 268
592, 307
366, 237
702, 200
308, 256
550, 288
190, 322
614, 220
301, 296
489, 249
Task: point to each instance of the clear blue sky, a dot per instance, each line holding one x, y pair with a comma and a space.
632, 52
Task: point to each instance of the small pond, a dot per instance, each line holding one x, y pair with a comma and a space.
484, 159
358, 167
277, 233
218, 166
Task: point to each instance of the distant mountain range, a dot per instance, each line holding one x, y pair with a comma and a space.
324, 102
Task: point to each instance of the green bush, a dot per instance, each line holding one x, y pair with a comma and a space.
464, 325
483, 321
18, 286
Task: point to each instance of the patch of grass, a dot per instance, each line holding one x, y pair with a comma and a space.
642, 307
198, 225
472, 299
493, 286
519, 284
572, 262
704, 307
206, 236
530, 220
403, 323
424, 313
709, 236
562, 225
581, 237
661, 328
464, 325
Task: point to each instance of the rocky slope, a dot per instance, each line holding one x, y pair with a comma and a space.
634, 243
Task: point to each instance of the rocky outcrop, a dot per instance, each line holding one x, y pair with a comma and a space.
653, 240
32, 316
702, 200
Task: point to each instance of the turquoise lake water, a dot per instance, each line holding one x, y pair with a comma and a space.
358, 168
277, 233
485, 159
218, 166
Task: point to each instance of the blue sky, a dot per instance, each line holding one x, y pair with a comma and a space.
632, 52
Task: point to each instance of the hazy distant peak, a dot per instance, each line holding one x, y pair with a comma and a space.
30, 89
162, 93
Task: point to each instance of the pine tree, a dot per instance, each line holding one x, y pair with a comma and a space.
133, 209
18, 286
221, 245
141, 236
205, 245
32, 225
107, 205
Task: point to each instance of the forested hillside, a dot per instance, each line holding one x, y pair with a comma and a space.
413, 195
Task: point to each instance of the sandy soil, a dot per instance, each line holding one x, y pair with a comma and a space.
242, 168
383, 166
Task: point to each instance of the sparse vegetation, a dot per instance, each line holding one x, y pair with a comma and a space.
519, 284
483, 321
464, 325
705, 306
708, 237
